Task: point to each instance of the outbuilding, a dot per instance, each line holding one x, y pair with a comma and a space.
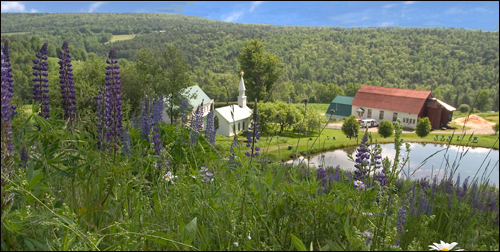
342, 106
374, 102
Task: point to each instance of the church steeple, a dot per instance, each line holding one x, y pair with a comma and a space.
242, 99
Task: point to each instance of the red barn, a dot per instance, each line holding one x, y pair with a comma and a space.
373, 102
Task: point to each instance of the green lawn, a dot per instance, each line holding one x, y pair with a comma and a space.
121, 37
320, 107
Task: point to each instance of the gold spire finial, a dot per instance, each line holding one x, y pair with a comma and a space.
242, 73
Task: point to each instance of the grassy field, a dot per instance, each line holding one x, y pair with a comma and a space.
320, 107
121, 37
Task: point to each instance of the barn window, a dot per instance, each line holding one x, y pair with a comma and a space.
394, 116
381, 116
369, 115
216, 122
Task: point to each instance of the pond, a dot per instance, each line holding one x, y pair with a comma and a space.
468, 164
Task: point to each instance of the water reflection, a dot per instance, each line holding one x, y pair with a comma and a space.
466, 160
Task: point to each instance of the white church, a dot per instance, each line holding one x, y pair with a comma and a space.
228, 125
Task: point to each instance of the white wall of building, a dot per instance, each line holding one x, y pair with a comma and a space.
409, 120
226, 128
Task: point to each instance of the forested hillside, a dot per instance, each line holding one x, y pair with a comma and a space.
455, 64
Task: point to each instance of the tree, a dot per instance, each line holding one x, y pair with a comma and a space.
177, 76
350, 127
385, 128
423, 127
483, 102
352, 88
495, 128
464, 108
261, 70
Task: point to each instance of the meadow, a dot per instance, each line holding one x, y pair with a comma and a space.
93, 181
121, 37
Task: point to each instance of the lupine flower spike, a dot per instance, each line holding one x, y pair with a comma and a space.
67, 85
6, 108
10, 79
41, 86
113, 101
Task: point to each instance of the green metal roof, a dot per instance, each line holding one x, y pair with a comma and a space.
340, 99
200, 95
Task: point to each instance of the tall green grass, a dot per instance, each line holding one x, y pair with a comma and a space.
71, 196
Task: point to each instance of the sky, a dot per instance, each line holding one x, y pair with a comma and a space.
470, 14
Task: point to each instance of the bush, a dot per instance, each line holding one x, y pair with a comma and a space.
423, 127
495, 128
385, 128
464, 108
350, 126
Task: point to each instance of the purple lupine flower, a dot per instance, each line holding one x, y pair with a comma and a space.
337, 173
6, 108
362, 159
184, 106
10, 79
156, 141
423, 202
400, 224
67, 85
321, 176
209, 130
196, 124
126, 142
464, 188
434, 187
100, 119
113, 111
41, 83
331, 177
253, 134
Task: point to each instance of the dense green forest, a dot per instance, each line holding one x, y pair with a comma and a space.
455, 64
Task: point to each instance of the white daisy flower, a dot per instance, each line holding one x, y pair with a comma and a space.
443, 246
235, 244
203, 169
249, 237
168, 177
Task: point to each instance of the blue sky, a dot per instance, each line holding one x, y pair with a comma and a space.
471, 14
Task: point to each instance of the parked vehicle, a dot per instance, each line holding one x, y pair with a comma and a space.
369, 123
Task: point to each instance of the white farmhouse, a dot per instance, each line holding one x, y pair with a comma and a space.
228, 125
194, 103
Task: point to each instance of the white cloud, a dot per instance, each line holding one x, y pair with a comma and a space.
410, 2
254, 5
365, 18
95, 6
13, 7
386, 23
233, 16
455, 10
387, 6
33, 11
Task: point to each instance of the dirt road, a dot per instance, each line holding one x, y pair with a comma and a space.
477, 124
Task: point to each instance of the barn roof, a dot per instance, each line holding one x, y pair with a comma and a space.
396, 99
340, 99
239, 113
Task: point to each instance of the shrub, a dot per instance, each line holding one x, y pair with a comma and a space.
464, 108
385, 128
423, 127
495, 128
350, 126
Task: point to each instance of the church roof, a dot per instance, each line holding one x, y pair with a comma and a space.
239, 113
200, 95
242, 84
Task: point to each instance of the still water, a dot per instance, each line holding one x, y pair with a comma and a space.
468, 164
